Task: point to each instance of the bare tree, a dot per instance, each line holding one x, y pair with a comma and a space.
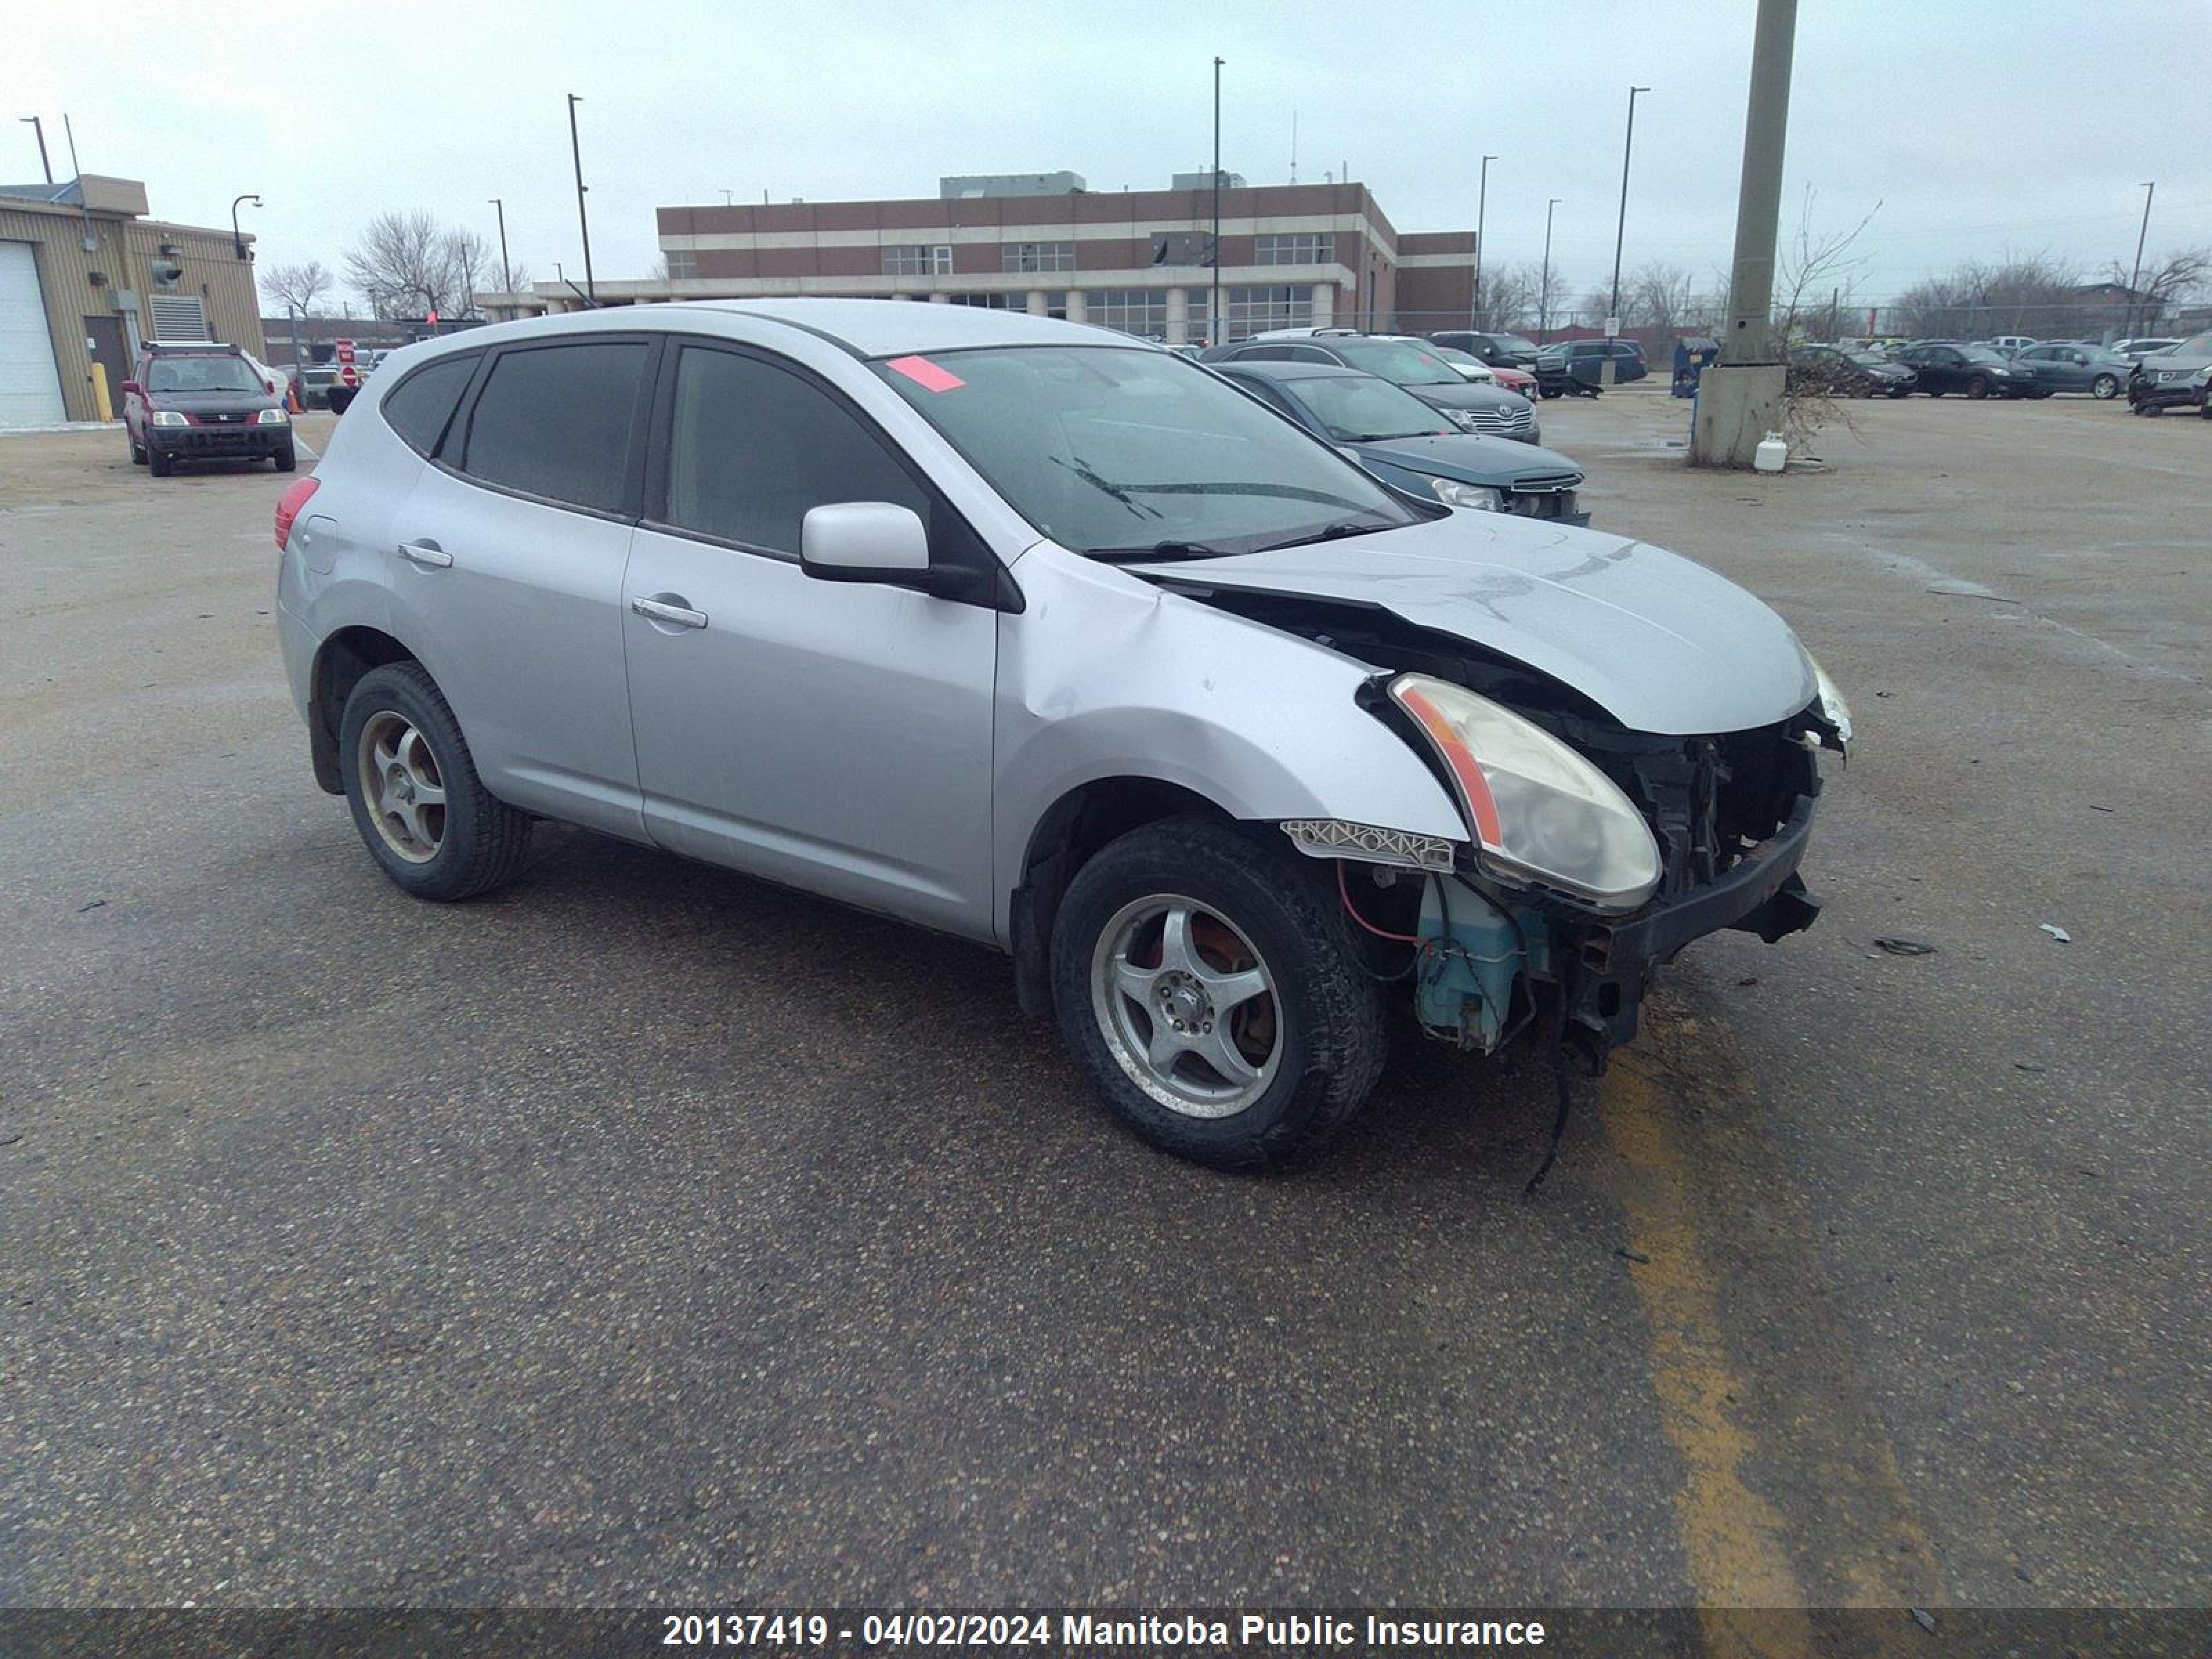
296, 286
407, 265
1509, 297
1660, 295
2183, 276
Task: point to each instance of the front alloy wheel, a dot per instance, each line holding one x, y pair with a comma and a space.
2105, 387
1186, 1006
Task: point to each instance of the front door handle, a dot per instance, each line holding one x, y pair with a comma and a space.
428, 554
661, 610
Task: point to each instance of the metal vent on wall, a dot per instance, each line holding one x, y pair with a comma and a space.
180, 317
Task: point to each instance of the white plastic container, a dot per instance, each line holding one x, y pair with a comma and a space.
1771, 455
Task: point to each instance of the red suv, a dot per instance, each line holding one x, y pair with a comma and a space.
202, 402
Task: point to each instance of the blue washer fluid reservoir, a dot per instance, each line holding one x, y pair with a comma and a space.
1463, 981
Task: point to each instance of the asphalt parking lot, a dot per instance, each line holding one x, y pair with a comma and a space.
647, 1234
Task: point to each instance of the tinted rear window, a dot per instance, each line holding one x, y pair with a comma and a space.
555, 421
418, 407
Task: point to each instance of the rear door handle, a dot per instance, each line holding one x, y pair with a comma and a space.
661, 610
428, 554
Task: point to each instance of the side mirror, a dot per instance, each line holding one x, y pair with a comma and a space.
864, 541
131, 389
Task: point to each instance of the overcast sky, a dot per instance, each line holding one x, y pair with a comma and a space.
1980, 126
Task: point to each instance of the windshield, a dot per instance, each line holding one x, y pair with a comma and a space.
1115, 450
1360, 409
1980, 355
1454, 356
1395, 361
201, 375
1514, 342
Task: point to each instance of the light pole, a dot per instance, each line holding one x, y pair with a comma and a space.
583, 223
2150, 189
1481, 207
238, 236
1544, 287
38, 127
506, 272
1215, 333
1620, 233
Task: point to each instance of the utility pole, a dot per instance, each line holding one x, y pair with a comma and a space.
1619, 234
38, 127
1740, 398
1215, 333
1544, 287
2150, 189
583, 223
1481, 208
506, 270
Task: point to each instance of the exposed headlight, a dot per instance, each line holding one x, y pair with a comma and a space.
170, 417
271, 417
1481, 497
1462, 418
1539, 810
1834, 709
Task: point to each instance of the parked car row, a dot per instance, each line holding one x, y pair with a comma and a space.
1065, 645
1471, 406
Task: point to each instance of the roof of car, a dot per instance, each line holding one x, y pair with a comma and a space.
887, 328
1276, 368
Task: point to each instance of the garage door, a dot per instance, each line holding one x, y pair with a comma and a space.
30, 385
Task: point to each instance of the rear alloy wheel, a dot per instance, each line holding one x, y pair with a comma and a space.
1977, 387
1210, 996
416, 799
2106, 386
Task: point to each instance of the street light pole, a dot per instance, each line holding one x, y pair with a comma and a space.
1619, 234
1544, 289
583, 223
2150, 189
38, 127
1481, 208
1215, 333
506, 272
238, 236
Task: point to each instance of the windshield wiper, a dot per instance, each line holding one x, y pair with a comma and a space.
1159, 553
1105, 487
1329, 532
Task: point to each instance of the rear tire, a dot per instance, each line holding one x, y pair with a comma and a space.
422, 810
1261, 967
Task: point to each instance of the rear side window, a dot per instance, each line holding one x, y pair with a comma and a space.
418, 407
557, 421
752, 447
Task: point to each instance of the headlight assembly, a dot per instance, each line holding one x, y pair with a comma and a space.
1541, 813
1481, 497
271, 417
1834, 709
169, 418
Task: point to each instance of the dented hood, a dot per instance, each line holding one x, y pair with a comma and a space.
1662, 644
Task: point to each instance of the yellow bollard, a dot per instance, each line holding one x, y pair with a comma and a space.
102, 409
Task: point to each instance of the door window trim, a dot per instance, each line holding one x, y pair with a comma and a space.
463, 420
970, 549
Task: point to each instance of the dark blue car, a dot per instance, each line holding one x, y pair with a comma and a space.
1408, 445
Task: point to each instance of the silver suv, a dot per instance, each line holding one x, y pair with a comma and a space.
1039, 635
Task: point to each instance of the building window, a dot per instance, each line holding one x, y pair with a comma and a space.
1183, 247
1140, 311
1249, 311
918, 259
683, 262
1302, 247
1037, 256
991, 302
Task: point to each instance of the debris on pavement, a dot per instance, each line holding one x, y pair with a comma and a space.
1904, 947
2057, 933
1923, 1618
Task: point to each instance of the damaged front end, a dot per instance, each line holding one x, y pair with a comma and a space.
1555, 905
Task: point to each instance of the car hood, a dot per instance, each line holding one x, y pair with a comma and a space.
1469, 457
1664, 645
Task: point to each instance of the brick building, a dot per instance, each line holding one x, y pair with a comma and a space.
1291, 256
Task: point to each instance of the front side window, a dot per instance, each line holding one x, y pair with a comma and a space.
418, 407
210, 373
752, 447
557, 421
1120, 449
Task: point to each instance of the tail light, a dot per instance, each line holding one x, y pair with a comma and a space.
288, 509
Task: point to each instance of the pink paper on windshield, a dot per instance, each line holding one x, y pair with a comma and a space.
924, 373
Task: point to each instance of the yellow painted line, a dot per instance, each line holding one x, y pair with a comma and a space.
1733, 1537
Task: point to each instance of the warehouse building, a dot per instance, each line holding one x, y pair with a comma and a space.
1291, 256
85, 277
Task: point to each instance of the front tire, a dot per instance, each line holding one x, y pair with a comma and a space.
2104, 387
287, 459
1211, 997
137, 450
159, 465
422, 810
1978, 388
